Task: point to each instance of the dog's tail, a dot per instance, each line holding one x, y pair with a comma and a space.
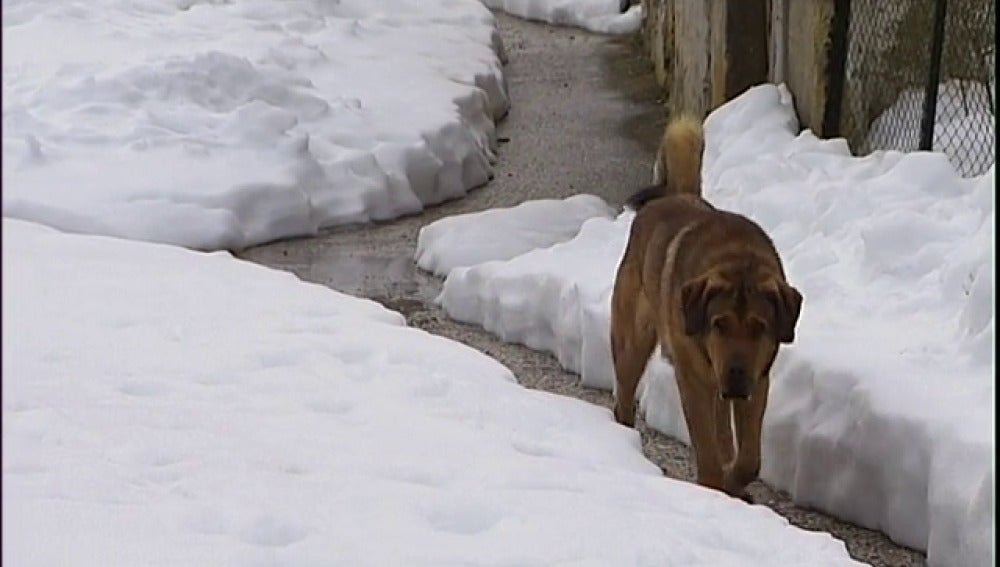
678, 162
644, 195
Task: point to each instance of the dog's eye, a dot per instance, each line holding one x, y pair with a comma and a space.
721, 325
756, 327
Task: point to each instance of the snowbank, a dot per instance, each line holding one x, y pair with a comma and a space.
881, 411
556, 299
501, 234
602, 16
230, 414
219, 125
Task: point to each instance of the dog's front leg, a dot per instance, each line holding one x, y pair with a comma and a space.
698, 401
749, 419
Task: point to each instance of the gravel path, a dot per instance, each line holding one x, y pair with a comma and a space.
585, 119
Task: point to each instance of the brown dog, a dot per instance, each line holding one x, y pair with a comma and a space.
708, 287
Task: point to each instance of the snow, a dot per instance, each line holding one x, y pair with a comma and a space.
231, 414
556, 299
463, 240
964, 128
602, 16
881, 411
218, 125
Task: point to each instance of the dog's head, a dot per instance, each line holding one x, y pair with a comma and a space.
741, 315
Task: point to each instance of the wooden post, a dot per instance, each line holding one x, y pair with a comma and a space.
746, 62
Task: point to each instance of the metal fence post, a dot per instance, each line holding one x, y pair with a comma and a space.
836, 59
933, 78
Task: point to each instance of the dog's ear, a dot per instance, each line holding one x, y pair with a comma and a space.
695, 296
787, 302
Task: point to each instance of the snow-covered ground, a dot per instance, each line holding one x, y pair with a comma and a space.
169, 407
219, 125
602, 16
881, 412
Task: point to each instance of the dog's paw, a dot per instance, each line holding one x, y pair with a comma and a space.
624, 416
735, 484
740, 493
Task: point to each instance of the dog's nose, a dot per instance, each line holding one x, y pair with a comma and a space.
737, 383
737, 372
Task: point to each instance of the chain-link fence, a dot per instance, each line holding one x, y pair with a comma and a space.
919, 74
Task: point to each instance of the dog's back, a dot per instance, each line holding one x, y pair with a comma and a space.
678, 163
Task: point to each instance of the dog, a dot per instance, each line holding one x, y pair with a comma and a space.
709, 288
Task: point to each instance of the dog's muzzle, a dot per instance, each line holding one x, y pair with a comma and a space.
736, 385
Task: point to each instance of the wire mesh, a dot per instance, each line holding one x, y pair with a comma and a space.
888, 70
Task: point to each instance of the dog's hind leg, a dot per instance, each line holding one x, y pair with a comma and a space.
749, 418
633, 337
